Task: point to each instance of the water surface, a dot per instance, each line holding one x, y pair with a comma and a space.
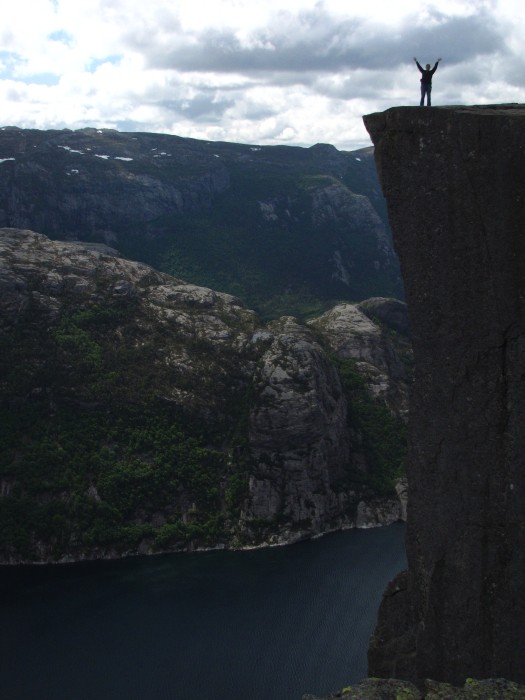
268, 624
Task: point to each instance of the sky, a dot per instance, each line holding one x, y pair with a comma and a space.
267, 72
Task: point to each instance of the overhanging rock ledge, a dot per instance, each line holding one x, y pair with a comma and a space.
454, 181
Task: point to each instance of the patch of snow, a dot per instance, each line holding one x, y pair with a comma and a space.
255, 149
122, 158
3, 160
216, 156
359, 159
99, 131
71, 150
97, 155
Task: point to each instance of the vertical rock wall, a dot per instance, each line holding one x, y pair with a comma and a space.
454, 181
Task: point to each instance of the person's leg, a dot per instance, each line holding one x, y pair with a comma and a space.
422, 95
429, 90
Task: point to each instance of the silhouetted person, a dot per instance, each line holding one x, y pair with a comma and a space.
426, 81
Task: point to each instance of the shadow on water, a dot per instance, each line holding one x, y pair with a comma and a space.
269, 623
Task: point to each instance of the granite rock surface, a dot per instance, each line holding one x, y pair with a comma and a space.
453, 179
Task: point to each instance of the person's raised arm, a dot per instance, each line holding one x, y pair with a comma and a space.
435, 66
417, 64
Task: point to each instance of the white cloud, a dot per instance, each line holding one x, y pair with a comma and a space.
252, 72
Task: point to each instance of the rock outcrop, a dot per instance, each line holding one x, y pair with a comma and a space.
367, 333
453, 179
141, 413
377, 689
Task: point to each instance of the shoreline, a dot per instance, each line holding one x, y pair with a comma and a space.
108, 557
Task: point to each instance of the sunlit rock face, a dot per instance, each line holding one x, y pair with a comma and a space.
374, 335
453, 179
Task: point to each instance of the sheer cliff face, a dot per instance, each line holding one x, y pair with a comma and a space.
453, 179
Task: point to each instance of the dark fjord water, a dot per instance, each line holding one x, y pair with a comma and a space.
267, 624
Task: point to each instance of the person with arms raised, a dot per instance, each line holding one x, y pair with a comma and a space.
426, 81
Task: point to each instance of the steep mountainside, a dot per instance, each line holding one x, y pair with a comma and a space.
453, 179
140, 413
288, 230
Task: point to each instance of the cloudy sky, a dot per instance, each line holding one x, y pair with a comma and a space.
292, 72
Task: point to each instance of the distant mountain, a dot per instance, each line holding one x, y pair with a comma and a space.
140, 413
286, 229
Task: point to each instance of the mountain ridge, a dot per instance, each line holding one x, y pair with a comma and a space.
283, 227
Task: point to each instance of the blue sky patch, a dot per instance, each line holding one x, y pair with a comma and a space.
61, 36
114, 59
41, 79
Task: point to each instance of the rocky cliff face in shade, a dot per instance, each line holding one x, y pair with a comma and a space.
140, 413
297, 429
453, 179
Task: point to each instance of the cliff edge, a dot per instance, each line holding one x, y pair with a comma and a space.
453, 179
